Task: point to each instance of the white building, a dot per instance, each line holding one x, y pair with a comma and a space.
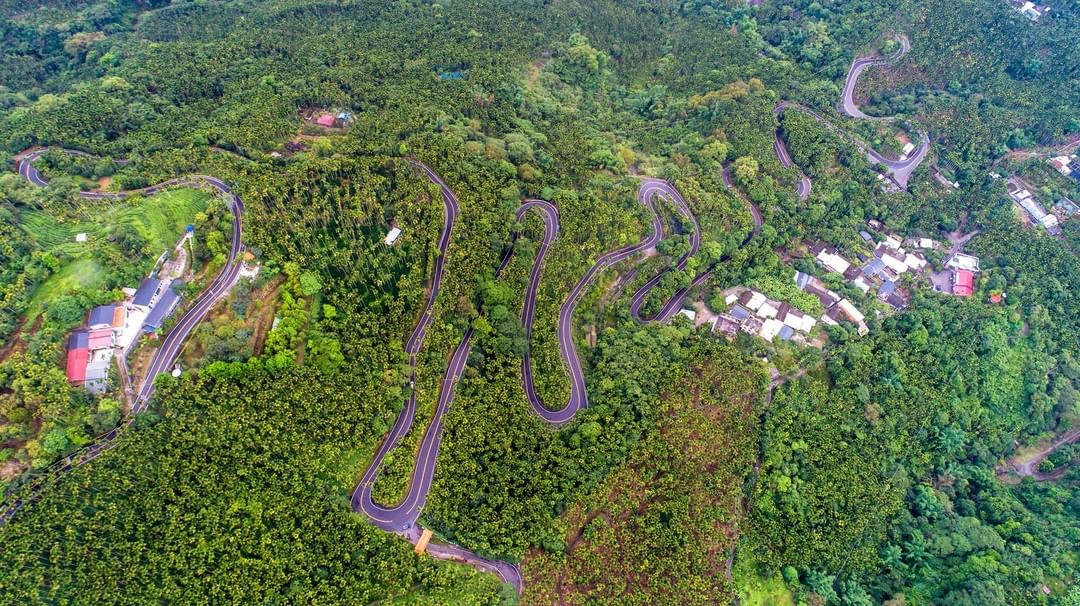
833, 262
962, 261
770, 328
392, 236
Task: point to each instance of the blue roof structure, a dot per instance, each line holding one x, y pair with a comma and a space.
80, 339
164, 307
102, 314
887, 288
786, 333
147, 289
874, 267
739, 313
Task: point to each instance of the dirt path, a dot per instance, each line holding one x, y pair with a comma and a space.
1029, 468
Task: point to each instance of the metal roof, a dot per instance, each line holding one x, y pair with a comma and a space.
739, 313
147, 289
102, 315
164, 307
79, 339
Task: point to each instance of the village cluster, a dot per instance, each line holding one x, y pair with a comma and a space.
880, 272
112, 330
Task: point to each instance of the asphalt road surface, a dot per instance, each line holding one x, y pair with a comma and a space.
803, 187
172, 343
899, 170
858, 66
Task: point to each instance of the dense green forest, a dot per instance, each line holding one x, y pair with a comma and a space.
870, 471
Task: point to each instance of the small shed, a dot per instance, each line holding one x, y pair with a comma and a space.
392, 236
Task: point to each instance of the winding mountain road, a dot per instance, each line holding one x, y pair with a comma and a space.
858, 66
899, 170
803, 187
402, 517
173, 342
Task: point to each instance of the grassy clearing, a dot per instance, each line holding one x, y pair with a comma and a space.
160, 219
756, 591
80, 274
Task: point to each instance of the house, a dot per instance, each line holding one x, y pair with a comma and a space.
816, 287
1031, 10
164, 307
861, 283
392, 236
833, 261
97, 376
752, 300
786, 332
81, 237
963, 283
752, 325
1067, 207
325, 119
726, 325
740, 313
896, 301
887, 288
77, 355
147, 294
768, 309
964, 262
101, 317
688, 313
770, 328
1062, 164
898, 265
796, 319
914, 262
802, 280
850, 311
100, 338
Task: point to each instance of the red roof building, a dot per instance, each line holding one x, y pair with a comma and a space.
76, 365
100, 339
325, 120
963, 283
